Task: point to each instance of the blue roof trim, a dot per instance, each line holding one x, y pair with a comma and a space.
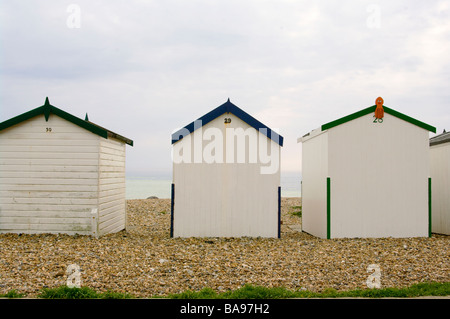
228, 107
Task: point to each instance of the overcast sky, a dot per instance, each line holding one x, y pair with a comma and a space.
146, 68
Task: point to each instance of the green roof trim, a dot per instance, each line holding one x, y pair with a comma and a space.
48, 109
371, 109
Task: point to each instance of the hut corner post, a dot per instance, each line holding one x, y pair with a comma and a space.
328, 208
172, 204
279, 211
94, 222
429, 207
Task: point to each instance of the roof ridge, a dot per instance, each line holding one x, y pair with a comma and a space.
371, 109
227, 107
444, 137
48, 109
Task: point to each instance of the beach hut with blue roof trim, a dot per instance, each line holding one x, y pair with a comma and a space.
226, 176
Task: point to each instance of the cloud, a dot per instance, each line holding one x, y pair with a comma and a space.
144, 68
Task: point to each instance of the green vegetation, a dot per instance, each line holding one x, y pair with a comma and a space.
12, 294
249, 292
297, 211
252, 292
64, 292
246, 292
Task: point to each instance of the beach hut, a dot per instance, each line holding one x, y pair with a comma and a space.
367, 175
226, 176
61, 174
440, 188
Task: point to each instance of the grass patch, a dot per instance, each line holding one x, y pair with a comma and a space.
297, 211
64, 292
12, 294
250, 292
257, 292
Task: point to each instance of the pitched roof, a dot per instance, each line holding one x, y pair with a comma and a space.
440, 139
371, 109
228, 107
48, 109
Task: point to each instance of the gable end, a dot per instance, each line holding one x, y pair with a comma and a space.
371, 109
48, 109
228, 107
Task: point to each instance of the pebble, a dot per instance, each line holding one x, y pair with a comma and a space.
147, 262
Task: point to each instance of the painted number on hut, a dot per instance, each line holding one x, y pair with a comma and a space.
48, 129
377, 120
227, 120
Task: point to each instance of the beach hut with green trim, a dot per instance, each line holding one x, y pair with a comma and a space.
367, 175
226, 176
440, 188
61, 174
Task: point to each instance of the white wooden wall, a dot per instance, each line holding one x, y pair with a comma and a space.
440, 185
379, 178
224, 200
314, 184
48, 180
112, 201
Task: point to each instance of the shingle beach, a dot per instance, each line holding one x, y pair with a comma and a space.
145, 261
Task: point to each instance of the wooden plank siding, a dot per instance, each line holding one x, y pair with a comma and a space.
48, 179
314, 191
378, 179
379, 176
111, 201
440, 175
223, 199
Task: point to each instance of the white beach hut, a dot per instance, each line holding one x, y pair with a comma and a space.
440, 188
226, 176
367, 175
61, 174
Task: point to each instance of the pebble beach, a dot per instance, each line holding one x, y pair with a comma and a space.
144, 261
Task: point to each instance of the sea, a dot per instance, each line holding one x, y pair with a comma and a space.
141, 187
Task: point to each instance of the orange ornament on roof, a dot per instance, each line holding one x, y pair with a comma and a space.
379, 111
